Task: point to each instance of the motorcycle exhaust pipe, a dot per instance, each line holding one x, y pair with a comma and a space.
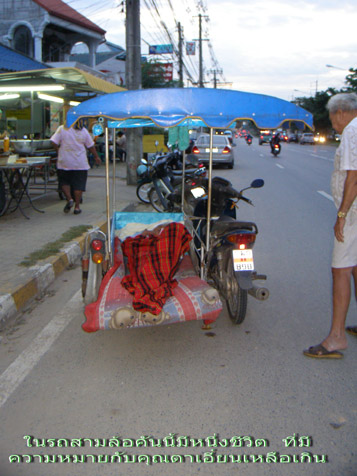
259, 293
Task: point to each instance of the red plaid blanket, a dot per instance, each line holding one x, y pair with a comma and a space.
152, 262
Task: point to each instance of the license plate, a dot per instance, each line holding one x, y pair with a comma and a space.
198, 192
215, 149
243, 260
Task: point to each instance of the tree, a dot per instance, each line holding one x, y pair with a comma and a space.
317, 104
351, 80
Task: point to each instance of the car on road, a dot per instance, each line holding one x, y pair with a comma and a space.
228, 133
292, 137
307, 138
319, 139
222, 151
265, 137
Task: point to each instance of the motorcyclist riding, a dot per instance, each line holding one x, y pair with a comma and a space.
275, 140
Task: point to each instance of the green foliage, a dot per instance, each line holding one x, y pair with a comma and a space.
317, 104
54, 247
351, 80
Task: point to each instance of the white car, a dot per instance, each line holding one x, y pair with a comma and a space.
307, 138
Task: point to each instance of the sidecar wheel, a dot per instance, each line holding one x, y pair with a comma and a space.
237, 298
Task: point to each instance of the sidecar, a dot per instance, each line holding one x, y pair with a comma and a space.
108, 302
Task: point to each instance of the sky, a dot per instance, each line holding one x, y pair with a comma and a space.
274, 47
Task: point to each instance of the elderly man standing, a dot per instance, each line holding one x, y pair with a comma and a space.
343, 115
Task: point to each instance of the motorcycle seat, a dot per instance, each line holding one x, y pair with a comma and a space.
222, 226
178, 173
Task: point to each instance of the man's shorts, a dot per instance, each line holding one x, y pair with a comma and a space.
345, 254
76, 179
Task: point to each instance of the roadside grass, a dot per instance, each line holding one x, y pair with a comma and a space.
54, 247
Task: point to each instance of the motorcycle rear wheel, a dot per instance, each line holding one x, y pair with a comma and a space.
237, 298
142, 192
156, 202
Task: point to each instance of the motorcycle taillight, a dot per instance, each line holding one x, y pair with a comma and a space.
242, 240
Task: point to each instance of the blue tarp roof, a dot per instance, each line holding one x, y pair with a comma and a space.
216, 108
11, 60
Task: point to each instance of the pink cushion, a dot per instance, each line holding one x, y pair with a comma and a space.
193, 299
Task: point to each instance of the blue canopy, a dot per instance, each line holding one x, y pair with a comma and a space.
217, 108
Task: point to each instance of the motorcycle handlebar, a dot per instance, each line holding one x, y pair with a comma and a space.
225, 190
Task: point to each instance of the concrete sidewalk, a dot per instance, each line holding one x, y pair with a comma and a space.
20, 236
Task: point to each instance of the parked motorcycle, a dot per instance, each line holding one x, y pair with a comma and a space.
229, 261
146, 170
161, 182
166, 193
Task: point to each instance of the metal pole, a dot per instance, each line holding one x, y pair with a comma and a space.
208, 224
107, 193
200, 52
180, 57
114, 166
183, 181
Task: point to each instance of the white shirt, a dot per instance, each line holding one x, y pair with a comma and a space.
72, 154
345, 159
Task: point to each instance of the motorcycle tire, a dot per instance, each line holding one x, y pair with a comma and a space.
142, 192
156, 202
237, 298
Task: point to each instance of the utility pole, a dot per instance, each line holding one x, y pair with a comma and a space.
180, 56
215, 72
133, 81
200, 79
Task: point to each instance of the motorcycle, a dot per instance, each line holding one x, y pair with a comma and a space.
275, 149
249, 140
229, 261
144, 173
160, 181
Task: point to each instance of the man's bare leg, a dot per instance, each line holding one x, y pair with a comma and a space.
341, 296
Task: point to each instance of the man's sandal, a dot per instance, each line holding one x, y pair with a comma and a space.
320, 352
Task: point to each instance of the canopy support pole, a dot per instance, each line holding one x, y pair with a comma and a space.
183, 181
209, 198
114, 172
107, 194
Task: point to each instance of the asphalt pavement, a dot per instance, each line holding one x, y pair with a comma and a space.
19, 236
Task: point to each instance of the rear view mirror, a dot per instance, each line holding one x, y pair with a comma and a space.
257, 183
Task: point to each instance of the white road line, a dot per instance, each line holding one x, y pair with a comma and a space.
323, 158
280, 166
28, 359
326, 195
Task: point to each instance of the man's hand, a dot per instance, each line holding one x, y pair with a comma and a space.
339, 226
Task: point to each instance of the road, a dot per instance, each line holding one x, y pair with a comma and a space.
249, 380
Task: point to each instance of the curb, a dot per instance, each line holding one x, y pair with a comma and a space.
41, 276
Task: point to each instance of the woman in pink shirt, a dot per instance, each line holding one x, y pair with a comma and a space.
72, 163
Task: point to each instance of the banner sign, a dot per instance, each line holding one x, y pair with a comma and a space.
160, 49
164, 69
190, 48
